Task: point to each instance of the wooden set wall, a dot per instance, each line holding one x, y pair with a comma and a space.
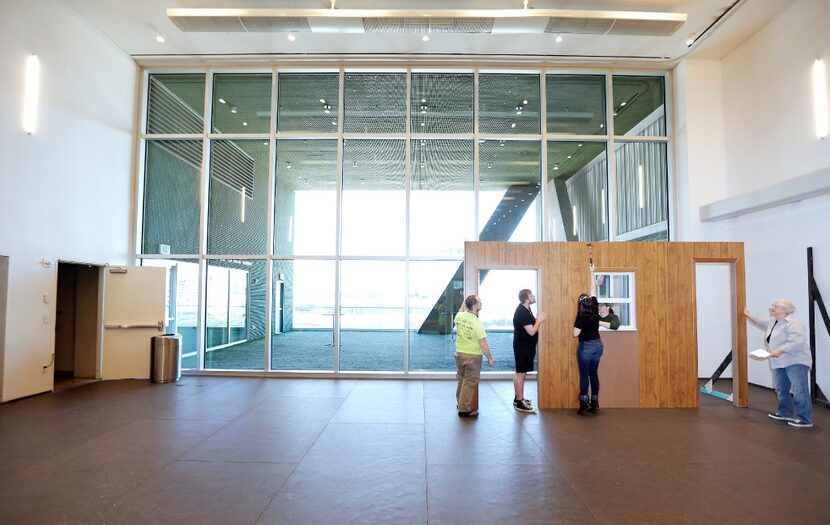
665, 311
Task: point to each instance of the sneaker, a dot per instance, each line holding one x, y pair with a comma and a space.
522, 406
779, 417
800, 423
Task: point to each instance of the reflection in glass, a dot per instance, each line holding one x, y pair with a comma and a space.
308, 102
237, 213
176, 103
306, 197
374, 197
576, 204
442, 103
435, 294
499, 293
576, 104
242, 103
509, 190
171, 196
642, 191
181, 304
639, 106
372, 315
303, 315
235, 320
442, 200
375, 103
508, 103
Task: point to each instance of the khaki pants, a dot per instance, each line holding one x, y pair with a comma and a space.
468, 372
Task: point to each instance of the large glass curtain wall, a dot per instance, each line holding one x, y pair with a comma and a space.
315, 221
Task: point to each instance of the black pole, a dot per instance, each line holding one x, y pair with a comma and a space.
813, 298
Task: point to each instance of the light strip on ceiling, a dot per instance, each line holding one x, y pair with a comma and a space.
404, 20
820, 98
30, 94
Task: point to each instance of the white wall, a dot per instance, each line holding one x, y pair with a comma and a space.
715, 312
767, 116
67, 189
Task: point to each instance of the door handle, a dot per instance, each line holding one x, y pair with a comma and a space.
158, 326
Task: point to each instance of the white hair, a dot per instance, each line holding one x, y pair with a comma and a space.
787, 306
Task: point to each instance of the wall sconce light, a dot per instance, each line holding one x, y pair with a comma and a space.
30, 94
820, 98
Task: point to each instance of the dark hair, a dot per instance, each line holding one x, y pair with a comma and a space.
586, 306
524, 294
471, 301
610, 309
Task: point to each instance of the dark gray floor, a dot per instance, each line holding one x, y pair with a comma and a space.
237, 450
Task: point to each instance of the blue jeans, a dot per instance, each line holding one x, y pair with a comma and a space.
797, 379
588, 355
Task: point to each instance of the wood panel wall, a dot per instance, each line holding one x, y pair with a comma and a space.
665, 307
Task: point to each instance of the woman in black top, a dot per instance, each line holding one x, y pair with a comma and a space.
589, 350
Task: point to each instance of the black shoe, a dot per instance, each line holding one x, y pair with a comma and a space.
468, 414
594, 406
522, 406
583, 406
799, 423
779, 417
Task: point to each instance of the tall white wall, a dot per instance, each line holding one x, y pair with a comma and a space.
66, 191
768, 136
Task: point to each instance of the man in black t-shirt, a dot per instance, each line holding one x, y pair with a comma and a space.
525, 337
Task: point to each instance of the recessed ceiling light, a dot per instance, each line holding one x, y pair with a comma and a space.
221, 100
569, 156
513, 125
160, 39
322, 101
423, 100
558, 38
291, 37
524, 101
244, 123
623, 104
233, 109
425, 38
333, 122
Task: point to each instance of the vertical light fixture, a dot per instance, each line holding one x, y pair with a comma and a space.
30, 94
574, 218
602, 204
641, 180
242, 204
820, 98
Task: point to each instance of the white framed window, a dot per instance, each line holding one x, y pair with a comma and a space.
618, 290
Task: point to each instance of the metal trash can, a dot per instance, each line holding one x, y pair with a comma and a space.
166, 358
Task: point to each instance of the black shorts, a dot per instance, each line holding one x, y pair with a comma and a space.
524, 358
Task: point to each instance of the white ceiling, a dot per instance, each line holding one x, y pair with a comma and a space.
133, 26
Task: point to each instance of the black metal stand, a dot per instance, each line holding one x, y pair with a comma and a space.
709, 387
814, 298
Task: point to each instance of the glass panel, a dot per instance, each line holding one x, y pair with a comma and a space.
372, 315
509, 190
375, 103
615, 289
235, 300
577, 194
176, 103
181, 304
642, 191
499, 294
639, 106
242, 103
576, 104
308, 102
442, 199
303, 315
237, 213
374, 197
436, 291
306, 197
442, 103
171, 196
508, 103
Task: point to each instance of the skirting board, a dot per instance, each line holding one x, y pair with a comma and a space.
785, 192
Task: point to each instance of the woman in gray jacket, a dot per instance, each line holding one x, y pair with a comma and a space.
791, 362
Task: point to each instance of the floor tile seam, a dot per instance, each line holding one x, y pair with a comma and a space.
293, 470
236, 461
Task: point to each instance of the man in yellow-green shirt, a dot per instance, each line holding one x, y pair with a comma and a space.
470, 342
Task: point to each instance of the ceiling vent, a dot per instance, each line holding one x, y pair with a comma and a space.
419, 21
